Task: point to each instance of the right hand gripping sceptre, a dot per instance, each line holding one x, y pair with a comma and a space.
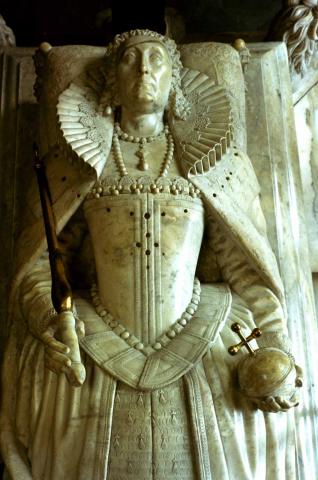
61, 291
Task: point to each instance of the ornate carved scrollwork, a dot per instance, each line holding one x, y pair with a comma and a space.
7, 38
297, 26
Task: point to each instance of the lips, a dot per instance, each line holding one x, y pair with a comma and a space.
144, 87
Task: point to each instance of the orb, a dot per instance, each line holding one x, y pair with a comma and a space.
269, 372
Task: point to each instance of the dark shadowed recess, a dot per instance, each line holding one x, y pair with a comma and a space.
82, 22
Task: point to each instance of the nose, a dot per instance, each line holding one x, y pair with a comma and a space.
143, 65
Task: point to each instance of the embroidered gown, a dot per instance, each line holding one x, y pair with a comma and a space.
174, 266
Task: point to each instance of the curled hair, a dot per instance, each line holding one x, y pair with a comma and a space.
177, 105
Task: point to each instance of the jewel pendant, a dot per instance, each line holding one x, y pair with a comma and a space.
142, 164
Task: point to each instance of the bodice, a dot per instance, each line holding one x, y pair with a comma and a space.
146, 239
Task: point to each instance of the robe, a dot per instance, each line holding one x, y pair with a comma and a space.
50, 430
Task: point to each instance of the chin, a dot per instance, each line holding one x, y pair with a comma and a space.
145, 107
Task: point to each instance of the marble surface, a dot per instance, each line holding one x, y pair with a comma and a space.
272, 145
276, 163
306, 120
18, 121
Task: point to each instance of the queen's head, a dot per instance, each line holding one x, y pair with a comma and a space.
143, 74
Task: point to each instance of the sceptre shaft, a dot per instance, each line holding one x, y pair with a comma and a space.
61, 291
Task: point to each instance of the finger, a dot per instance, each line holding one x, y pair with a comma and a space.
51, 329
284, 403
80, 328
295, 398
299, 370
273, 405
299, 377
56, 357
262, 405
55, 367
54, 344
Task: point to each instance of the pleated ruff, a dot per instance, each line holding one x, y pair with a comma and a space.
199, 428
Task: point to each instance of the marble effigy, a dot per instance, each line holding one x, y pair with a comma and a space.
130, 446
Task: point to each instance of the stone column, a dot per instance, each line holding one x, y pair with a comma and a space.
18, 120
272, 146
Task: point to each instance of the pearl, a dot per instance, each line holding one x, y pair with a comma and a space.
143, 165
108, 110
190, 310
171, 333
125, 335
177, 328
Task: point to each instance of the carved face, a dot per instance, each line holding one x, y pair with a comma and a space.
144, 74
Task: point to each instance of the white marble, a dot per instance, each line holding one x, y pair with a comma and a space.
164, 393
306, 119
272, 145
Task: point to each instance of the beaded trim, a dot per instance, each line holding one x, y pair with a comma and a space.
114, 185
130, 138
164, 339
142, 165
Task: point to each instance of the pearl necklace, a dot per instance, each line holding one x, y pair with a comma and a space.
164, 339
142, 165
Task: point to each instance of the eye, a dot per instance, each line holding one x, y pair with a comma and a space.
156, 58
128, 58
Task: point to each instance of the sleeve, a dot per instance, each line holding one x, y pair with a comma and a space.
35, 288
244, 280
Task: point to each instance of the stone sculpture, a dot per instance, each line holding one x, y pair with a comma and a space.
7, 38
297, 25
165, 245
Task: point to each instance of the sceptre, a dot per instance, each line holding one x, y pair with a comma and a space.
61, 291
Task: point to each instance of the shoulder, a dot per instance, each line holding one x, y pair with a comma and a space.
232, 177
